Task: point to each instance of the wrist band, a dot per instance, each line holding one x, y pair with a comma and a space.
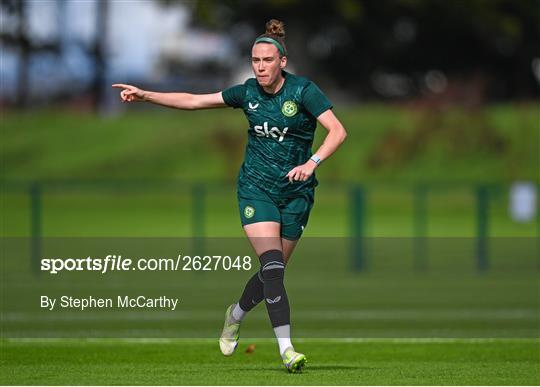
315, 159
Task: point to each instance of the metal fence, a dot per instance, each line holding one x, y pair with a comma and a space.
357, 208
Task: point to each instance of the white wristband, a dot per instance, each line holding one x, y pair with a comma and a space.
316, 159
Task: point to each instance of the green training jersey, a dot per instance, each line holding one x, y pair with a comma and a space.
280, 133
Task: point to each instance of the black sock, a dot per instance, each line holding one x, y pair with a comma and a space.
273, 273
253, 293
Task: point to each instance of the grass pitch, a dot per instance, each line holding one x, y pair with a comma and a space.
330, 362
391, 300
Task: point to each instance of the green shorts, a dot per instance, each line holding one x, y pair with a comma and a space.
292, 213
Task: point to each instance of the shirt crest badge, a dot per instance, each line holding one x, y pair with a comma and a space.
289, 108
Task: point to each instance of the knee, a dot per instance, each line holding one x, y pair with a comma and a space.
272, 265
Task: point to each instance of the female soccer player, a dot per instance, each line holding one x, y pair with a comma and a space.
276, 181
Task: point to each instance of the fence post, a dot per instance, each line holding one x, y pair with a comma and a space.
482, 217
35, 225
538, 224
357, 198
198, 217
420, 227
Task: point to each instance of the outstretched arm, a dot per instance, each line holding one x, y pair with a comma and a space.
336, 135
185, 101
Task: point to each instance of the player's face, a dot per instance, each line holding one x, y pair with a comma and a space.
266, 63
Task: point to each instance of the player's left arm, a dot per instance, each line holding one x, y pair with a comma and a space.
335, 137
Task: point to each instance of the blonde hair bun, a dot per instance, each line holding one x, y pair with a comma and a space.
275, 27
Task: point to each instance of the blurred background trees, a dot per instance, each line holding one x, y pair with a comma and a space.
396, 49
455, 51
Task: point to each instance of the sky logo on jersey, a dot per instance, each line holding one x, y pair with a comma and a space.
289, 108
274, 132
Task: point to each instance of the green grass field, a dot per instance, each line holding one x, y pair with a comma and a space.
385, 142
389, 325
330, 362
393, 323
141, 151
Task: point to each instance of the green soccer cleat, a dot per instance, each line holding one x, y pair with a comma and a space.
294, 361
230, 334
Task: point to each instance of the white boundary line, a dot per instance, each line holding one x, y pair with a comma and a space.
366, 314
402, 340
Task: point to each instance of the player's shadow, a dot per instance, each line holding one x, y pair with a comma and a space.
339, 367
307, 370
